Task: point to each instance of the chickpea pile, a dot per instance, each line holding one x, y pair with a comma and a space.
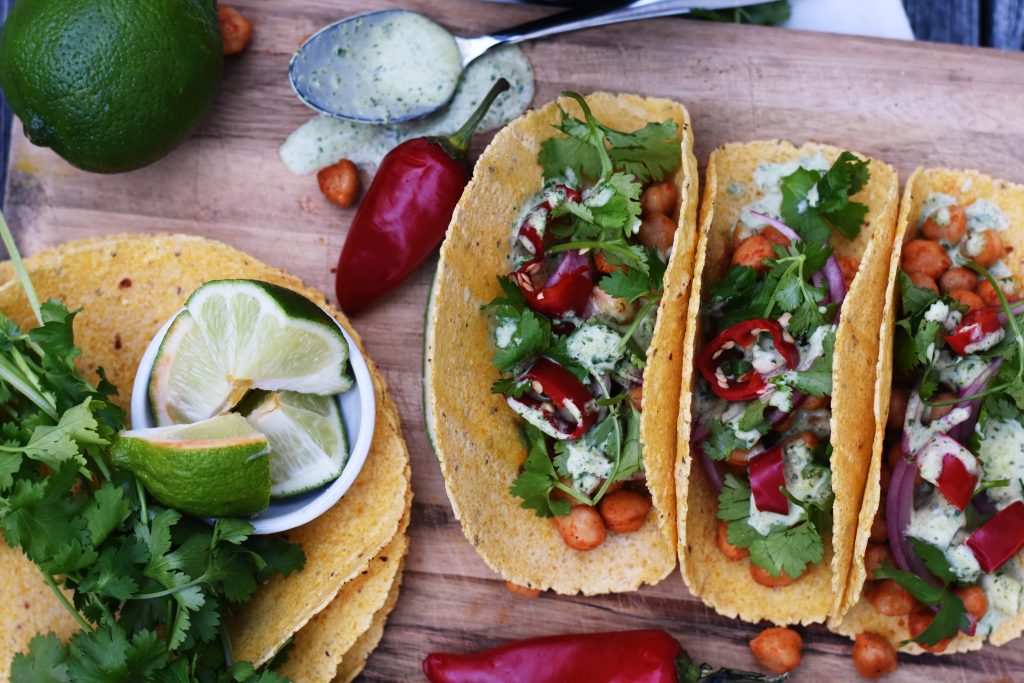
928, 265
620, 512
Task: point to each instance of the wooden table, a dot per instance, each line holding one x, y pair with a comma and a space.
906, 103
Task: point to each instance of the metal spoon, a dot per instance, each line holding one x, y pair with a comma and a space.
320, 50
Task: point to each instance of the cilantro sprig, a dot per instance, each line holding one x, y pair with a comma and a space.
815, 203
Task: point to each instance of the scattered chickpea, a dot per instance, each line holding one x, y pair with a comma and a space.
875, 556
778, 649
972, 301
991, 250
974, 599
988, 295
235, 29
522, 591
762, 577
873, 656
920, 620
774, 236
340, 183
958, 278
924, 282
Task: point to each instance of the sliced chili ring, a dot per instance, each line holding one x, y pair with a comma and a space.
741, 336
556, 391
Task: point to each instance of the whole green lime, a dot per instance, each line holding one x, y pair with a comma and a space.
110, 85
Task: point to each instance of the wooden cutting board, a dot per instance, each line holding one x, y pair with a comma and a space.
906, 103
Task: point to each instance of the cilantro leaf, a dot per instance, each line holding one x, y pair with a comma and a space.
815, 203
105, 512
632, 284
916, 300
817, 379
631, 456
45, 662
538, 479
934, 559
787, 287
722, 441
650, 153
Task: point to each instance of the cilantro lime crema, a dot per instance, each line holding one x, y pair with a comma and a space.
577, 314
763, 392
954, 500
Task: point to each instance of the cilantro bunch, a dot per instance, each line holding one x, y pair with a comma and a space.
815, 203
150, 587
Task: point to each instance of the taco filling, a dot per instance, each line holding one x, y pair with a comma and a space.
762, 402
572, 329
953, 483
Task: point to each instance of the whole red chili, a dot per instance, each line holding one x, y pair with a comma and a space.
406, 211
650, 656
741, 336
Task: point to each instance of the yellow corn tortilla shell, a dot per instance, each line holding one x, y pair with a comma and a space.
128, 287
355, 659
965, 186
727, 586
475, 433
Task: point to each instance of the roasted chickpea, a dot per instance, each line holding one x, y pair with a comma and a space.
752, 252
948, 224
657, 231
235, 30
624, 511
972, 301
936, 412
739, 457
957, 278
974, 599
602, 264
879, 530
778, 649
582, 528
762, 577
920, 620
636, 397
875, 556
924, 257
522, 591
340, 183
924, 282
988, 295
807, 437
897, 408
774, 236
815, 402
659, 198
990, 249
849, 266
873, 656
890, 598
731, 552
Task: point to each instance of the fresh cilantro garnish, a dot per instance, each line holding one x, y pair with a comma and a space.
815, 203
787, 287
817, 379
916, 300
951, 616
538, 479
632, 284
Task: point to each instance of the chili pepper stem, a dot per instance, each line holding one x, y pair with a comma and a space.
459, 141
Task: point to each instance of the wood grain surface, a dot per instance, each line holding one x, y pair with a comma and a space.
908, 104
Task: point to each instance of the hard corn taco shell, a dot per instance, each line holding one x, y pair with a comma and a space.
128, 286
476, 435
355, 659
727, 586
965, 186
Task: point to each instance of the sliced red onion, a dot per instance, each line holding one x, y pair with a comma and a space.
1017, 309
572, 260
899, 506
963, 431
700, 433
836, 281
984, 505
818, 280
711, 468
778, 225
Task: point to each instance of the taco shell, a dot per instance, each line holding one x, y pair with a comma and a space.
727, 586
474, 432
965, 186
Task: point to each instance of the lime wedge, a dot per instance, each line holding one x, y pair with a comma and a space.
308, 447
238, 335
215, 468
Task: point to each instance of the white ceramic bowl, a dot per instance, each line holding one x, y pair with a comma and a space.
359, 412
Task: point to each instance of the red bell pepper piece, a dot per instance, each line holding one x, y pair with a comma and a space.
560, 391
767, 478
741, 336
1000, 538
406, 211
649, 656
956, 482
976, 326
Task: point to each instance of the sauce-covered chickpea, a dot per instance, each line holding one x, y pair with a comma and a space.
659, 198
762, 577
657, 231
984, 248
875, 556
920, 620
948, 224
924, 282
958, 278
972, 301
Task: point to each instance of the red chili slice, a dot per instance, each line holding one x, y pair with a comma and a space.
767, 478
1000, 538
741, 336
559, 390
570, 294
976, 326
956, 482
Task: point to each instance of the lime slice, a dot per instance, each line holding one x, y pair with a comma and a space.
238, 335
215, 468
308, 447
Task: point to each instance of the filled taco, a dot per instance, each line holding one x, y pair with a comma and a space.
777, 429
552, 361
943, 516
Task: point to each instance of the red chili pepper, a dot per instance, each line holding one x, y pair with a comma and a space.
956, 483
406, 211
976, 326
560, 390
740, 336
649, 656
1000, 538
767, 478
570, 294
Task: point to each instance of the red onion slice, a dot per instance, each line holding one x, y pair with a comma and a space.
836, 281
778, 225
572, 260
711, 468
899, 506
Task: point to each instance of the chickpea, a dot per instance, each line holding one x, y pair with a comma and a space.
778, 649
920, 620
614, 308
624, 511
522, 591
972, 301
636, 397
602, 264
235, 29
815, 402
879, 530
340, 183
582, 528
974, 599
936, 412
957, 278
807, 437
774, 236
762, 577
873, 656
951, 231
739, 457
897, 408
658, 231
849, 266
988, 295
925, 257
752, 252
890, 598
731, 552
991, 250
924, 282
659, 198
875, 556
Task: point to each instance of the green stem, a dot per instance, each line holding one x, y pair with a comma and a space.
11, 374
637, 321
597, 134
64, 601
460, 140
625, 253
19, 268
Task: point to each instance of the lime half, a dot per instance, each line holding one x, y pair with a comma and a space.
308, 447
215, 468
238, 335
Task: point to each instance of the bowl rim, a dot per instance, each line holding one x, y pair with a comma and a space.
141, 417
